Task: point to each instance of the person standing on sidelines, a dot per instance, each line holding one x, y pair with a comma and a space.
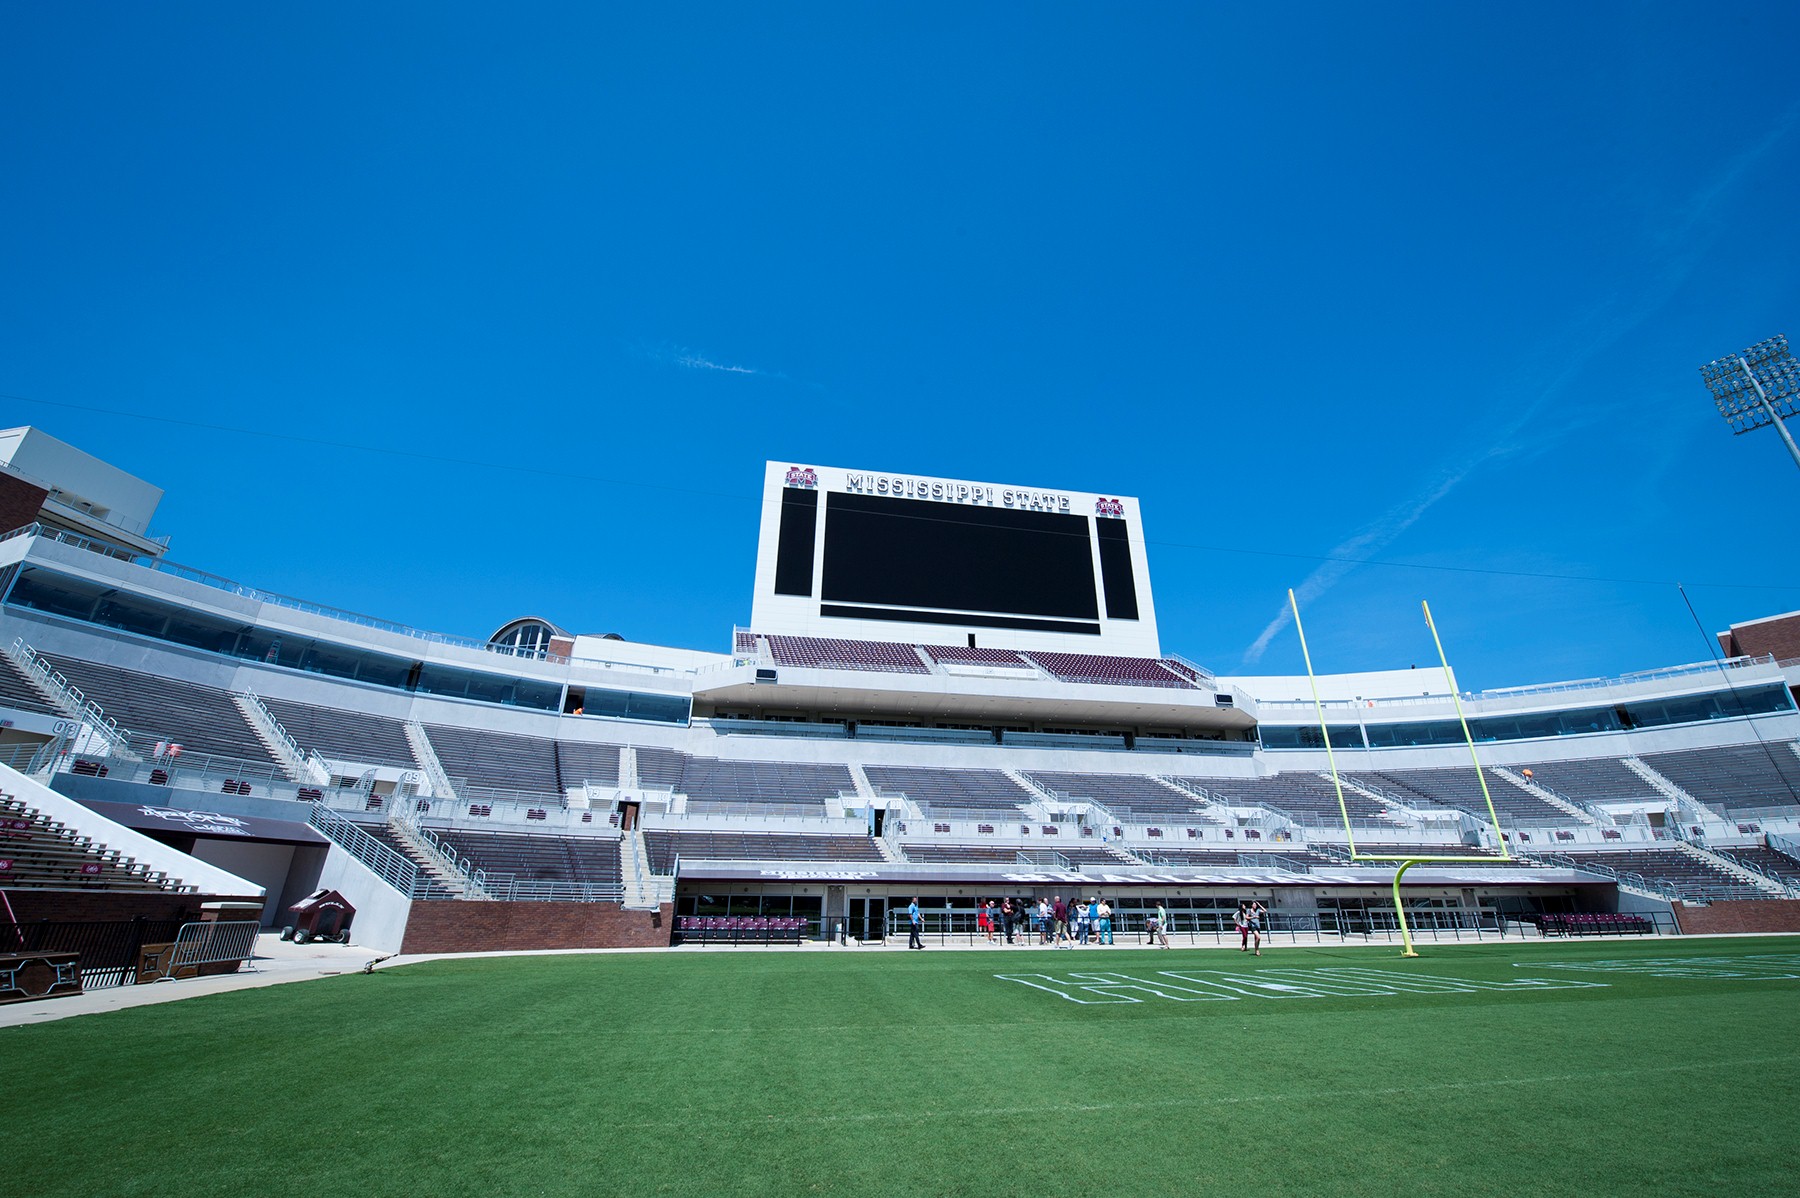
1059, 911
1105, 922
984, 918
1006, 918
914, 924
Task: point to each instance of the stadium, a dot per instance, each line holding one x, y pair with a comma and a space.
949, 691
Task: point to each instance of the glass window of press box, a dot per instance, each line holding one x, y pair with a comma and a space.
1640, 713
93, 603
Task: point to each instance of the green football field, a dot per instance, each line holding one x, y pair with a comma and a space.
1665, 1067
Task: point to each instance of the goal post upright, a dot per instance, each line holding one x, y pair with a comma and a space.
1405, 861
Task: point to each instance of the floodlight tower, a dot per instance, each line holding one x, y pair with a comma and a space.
1757, 387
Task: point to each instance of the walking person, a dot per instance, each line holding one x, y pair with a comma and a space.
1045, 927
1257, 911
1241, 921
1059, 910
1161, 932
914, 924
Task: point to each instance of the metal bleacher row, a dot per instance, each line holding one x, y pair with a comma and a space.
1691, 877
37, 852
1734, 778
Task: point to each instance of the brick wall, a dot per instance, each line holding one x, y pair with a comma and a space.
452, 926
1779, 637
1758, 915
20, 502
31, 905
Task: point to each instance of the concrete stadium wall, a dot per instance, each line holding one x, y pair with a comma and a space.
452, 926
1761, 915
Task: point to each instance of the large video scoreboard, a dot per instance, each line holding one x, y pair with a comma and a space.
896, 557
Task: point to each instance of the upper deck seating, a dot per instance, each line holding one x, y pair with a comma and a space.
973, 656
1298, 794
707, 780
1734, 777
1110, 670
1691, 877
579, 761
1598, 779
17, 692
202, 719
497, 760
1125, 795
833, 653
663, 847
1459, 788
960, 794
660, 769
343, 735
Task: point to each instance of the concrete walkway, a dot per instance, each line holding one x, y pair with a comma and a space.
276, 961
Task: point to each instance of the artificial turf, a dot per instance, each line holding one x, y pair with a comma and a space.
878, 1072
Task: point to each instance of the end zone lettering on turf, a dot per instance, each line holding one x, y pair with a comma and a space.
1200, 985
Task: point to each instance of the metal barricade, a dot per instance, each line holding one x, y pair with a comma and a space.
220, 943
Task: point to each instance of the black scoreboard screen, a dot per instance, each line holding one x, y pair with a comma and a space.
921, 561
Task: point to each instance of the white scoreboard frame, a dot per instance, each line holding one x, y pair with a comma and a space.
799, 615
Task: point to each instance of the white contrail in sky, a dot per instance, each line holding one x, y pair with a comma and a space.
1598, 330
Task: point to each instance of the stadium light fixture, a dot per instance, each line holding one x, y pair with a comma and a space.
1759, 386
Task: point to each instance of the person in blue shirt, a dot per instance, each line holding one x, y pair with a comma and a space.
914, 924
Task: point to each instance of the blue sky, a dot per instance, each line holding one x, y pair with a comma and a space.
449, 313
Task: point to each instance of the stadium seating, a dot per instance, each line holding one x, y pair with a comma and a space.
1603, 923
713, 784
343, 735
498, 760
40, 853
831, 653
578, 762
1734, 778
530, 857
1691, 877
1597, 779
741, 929
664, 847
204, 719
660, 769
1124, 795
1306, 796
973, 656
1460, 789
960, 794
17, 692
1109, 670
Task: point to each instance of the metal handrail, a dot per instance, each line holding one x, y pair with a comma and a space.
83, 708
390, 866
